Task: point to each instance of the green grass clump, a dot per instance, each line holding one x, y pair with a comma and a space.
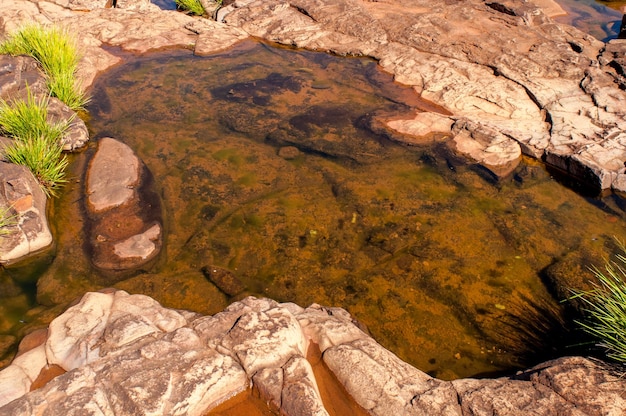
36, 143
605, 306
57, 53
192, 6
29, 119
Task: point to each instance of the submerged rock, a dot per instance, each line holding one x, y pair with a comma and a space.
126, 355
224, 279
125, 232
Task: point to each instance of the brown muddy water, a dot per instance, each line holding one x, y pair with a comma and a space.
268, 164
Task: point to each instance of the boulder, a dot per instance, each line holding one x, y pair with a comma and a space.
124, 230
27, 230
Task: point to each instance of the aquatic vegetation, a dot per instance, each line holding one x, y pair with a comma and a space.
57, 53
191, 6
37, 143
605, 305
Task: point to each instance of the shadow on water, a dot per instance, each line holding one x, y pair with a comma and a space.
275, 166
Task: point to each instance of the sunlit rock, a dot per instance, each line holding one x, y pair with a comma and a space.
125, 229
422, 127
126, 354
27, 230
492, 149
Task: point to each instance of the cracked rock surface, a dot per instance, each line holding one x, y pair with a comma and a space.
118, 354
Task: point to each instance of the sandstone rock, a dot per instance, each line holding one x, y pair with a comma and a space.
300, 395
511, 397
113, 175
125, 230
128, 355
487, 146
383, 384
141, 245
591, 386
422, 126
279, 339
17, 72
77, 135
22, 195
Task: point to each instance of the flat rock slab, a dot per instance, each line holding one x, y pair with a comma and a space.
127, 355
124, 228
113, 175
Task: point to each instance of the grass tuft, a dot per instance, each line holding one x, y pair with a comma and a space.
192, 6
36, 143
57, 53
29, 119
606, 307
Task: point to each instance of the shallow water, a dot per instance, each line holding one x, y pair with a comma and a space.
602, 19
441, 263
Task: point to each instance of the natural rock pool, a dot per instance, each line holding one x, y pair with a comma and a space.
273, 163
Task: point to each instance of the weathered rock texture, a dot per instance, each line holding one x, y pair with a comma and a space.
125, 229
23, 199
513, 80
115, 353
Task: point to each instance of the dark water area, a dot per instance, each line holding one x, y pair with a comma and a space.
601, 19
267, 165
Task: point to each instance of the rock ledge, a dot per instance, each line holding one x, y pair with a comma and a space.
127, 355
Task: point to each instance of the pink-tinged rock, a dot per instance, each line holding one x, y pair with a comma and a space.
73, 338
486, 145
385, 385
28, 232
422, 126
123, 211
265, 339
112, 176
142, 245
14, 383
300, 394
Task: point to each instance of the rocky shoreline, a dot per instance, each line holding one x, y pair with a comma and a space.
509, 82
118, 354
530, 86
